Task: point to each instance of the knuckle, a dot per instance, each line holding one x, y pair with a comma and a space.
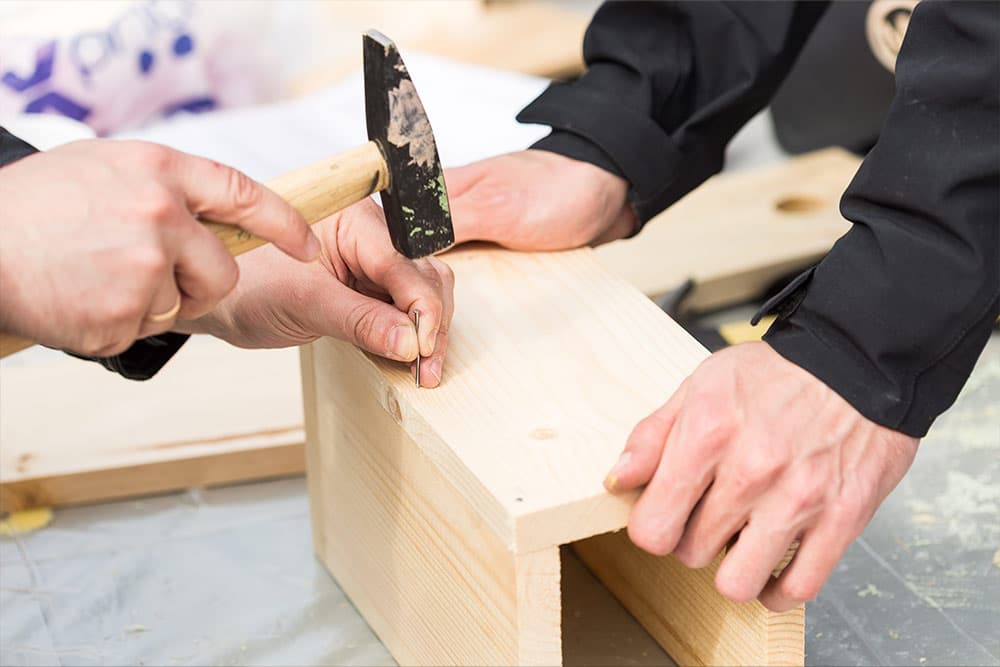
800, 590
446, 272
244, 192
362, 322
648, 433
153, 156
157, 206
806, 494
148, 263
651, 540
733, 589
755, 474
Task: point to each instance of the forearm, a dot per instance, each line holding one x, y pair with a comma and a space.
896, 315
661, 99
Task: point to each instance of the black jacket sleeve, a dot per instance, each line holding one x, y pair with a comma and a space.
146, 356
667, 86
895, 316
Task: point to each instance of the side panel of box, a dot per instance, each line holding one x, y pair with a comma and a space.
682, 610
426, 572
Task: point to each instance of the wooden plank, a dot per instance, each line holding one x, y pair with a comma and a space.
552, 361
442, 511
681, 609
739, 232
72, 432
525, 36
430, 577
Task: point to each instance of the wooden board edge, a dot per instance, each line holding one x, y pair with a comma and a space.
539, 607
229, 467
682, 610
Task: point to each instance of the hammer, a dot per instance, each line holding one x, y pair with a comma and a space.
400, 161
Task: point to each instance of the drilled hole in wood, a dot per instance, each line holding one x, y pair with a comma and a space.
799, 204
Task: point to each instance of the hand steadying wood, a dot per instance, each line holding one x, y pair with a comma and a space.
400, 160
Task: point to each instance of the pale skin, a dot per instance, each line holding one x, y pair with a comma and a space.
751, 451
99, 239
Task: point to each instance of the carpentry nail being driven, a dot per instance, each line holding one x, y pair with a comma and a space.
590, 468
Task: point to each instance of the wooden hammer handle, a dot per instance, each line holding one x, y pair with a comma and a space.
316, 191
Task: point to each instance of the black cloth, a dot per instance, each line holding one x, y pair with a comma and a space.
146, 356
895, 316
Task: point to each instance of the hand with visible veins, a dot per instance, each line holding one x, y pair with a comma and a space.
752, 446
538, 200
99, 245
361, 290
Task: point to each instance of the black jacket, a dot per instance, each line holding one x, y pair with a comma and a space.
895, 316
146, 356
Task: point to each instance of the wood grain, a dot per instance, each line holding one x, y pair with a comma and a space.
552, 361
441, 512
430, 577
739, 232
682, 610
72, 432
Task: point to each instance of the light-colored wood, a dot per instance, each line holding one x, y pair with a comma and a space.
316, 191
11, 344
523, 36
72, 432
681, 609
551, 360
430, 576
739, 232
445, 509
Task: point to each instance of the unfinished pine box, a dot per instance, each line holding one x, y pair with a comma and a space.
441, 512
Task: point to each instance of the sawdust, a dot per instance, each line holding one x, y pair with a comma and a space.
870, 590
968, 509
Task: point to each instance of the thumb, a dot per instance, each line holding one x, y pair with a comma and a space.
372, 325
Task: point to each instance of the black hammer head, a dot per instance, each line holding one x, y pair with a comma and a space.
416, 201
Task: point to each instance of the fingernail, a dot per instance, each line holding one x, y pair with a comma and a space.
313, 247
611, 481
434, 369
403, 343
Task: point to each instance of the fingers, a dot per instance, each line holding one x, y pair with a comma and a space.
715, 520
372, 325
204, 270
426, 285
818, 555
226, 195
644, 447
748, 565
164, 308
432, 368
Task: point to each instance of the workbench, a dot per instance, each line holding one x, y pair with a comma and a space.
227, 576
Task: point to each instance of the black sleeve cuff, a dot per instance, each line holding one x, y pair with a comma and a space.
145, 358
628, 144
13, 148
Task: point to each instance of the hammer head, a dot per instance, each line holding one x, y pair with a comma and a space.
416, 201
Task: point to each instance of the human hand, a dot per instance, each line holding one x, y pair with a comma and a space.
751, 444
361, 290
538, 200
99, 244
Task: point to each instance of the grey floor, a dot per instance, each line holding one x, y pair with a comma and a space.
226, 576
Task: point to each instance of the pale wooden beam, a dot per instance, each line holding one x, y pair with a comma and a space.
441, 512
